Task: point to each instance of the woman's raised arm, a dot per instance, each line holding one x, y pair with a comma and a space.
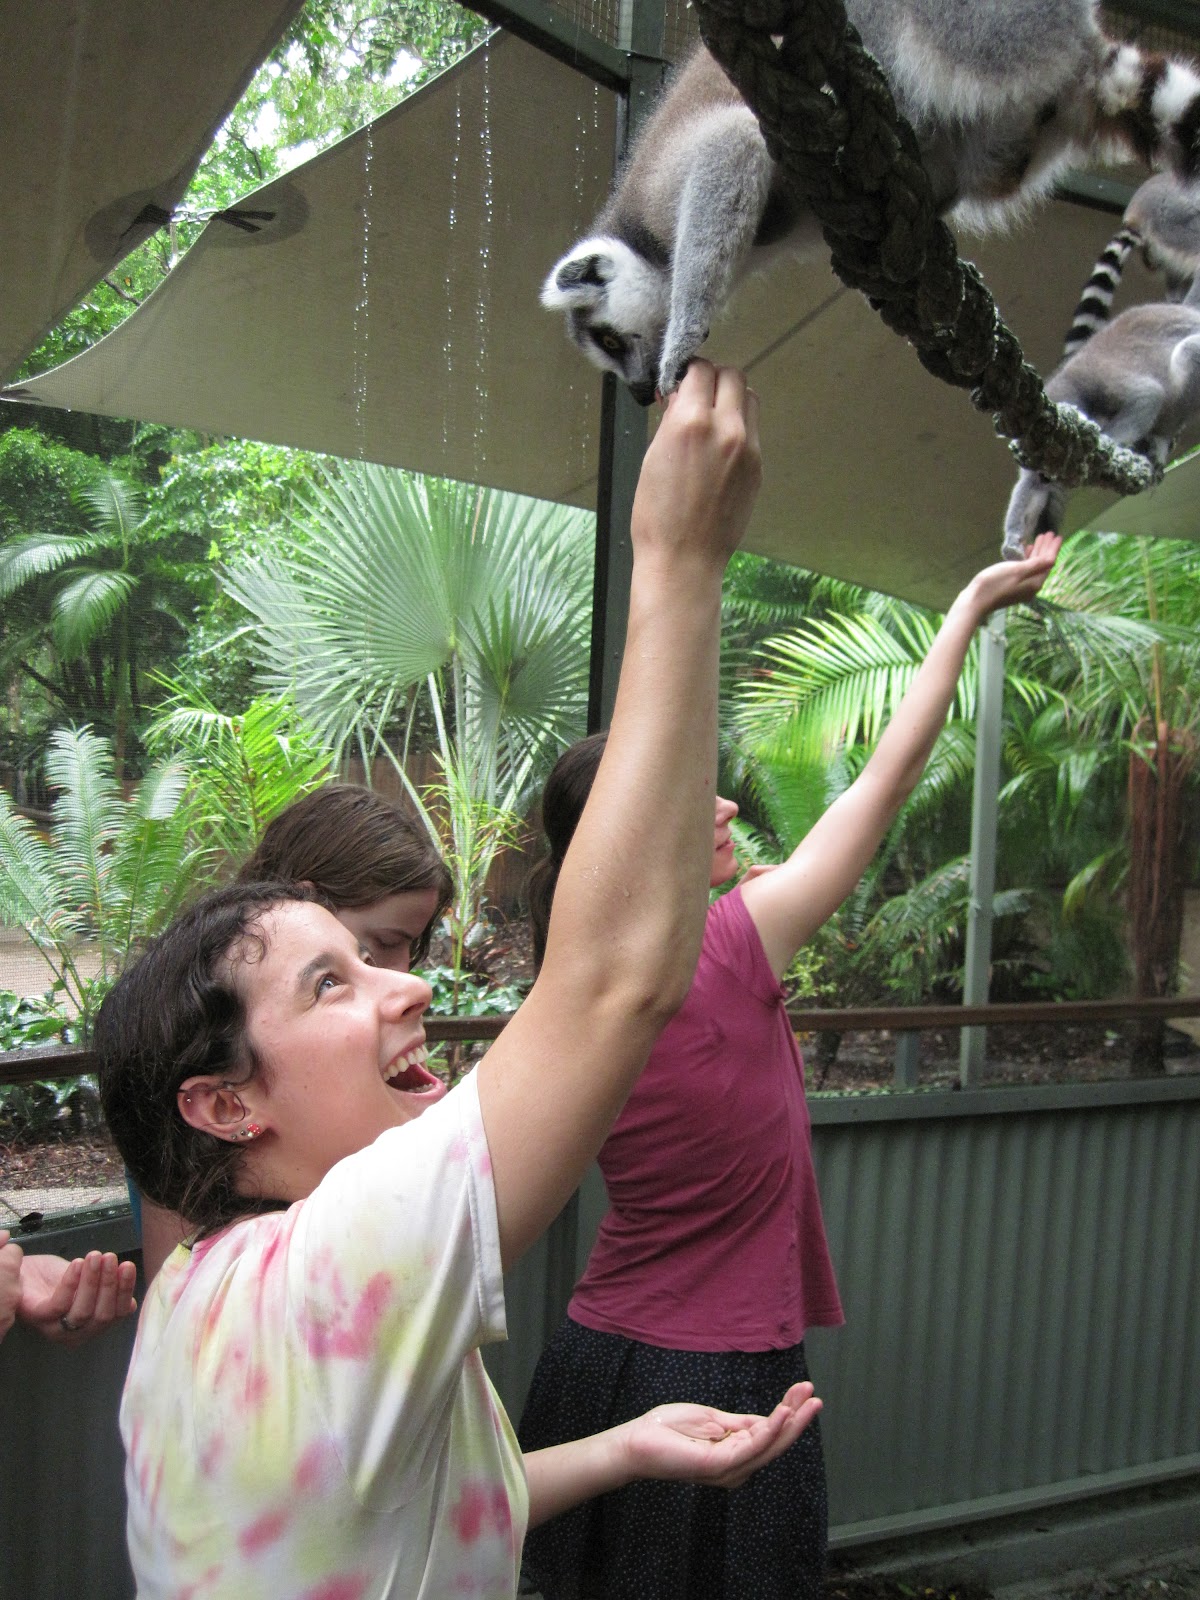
630, 901
789, 904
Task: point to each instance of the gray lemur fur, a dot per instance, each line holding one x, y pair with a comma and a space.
1002, 94
1162, 220
1139, 380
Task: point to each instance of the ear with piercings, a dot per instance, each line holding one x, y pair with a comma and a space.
215, 1106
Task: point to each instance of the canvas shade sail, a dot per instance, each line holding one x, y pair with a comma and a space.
106, 107
386, 308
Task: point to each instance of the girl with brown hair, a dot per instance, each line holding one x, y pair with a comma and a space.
306, 1411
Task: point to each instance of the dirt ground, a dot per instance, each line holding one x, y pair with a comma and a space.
1175, 1577
879, 1588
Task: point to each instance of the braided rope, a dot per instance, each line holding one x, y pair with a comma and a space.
830, 122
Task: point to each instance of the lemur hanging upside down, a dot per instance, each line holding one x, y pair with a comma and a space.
1002, 95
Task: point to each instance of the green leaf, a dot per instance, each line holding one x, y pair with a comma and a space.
86, 606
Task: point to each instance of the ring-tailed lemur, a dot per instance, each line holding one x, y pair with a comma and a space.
1162, 220
1138, 378
1002, 94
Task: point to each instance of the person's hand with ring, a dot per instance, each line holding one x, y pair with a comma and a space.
67, 1301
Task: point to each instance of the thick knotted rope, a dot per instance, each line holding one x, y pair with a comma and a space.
831, 124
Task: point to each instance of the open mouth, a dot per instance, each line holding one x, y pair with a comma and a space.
411, 1075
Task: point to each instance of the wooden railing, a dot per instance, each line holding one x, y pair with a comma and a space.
42, 1062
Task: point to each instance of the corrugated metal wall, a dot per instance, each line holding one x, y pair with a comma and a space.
1022, 1296
1020, 1271
1022, 1288
62, 1500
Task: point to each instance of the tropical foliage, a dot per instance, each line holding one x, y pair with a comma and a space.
1126, 660
93, 593
414, 611
242, 769
1099, 751
113, 871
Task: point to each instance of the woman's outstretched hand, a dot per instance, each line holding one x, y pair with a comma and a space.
1009, 582
714, 1447
696, 1443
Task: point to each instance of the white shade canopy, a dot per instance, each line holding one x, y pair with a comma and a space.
106, 107
385, 306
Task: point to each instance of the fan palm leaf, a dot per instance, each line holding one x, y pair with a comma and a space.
397, 580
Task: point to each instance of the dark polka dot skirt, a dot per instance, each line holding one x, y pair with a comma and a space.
673, 1541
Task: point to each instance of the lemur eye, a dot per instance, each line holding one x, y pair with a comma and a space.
611, 344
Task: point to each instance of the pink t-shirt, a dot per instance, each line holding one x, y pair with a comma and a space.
714, 1238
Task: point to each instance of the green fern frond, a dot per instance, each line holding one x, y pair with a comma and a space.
87, 817
85, 606
33, 557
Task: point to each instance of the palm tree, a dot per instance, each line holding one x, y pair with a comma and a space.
112, 601
1100, 743
1134, 687
418, 611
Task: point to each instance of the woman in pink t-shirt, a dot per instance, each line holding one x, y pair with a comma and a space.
711, 1261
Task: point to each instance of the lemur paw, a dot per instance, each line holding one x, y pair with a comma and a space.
677, 357
671, 378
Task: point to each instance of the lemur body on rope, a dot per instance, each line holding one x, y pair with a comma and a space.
1002, 95
1138, 379
1162, 220
1138, 376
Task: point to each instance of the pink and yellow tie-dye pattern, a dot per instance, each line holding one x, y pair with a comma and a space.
306, 1412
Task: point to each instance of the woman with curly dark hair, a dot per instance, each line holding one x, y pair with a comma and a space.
306, 1412
370, 860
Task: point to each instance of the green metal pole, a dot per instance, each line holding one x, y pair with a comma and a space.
623, 437
623, 423
977, 967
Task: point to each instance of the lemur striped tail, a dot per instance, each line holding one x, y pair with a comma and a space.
1095, 303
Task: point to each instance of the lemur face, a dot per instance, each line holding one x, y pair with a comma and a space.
616, 306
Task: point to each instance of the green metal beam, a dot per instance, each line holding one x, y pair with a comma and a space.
1094, 191
550, 30
623, 425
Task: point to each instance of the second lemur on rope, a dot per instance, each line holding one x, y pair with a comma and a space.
1139, 380
1138, 376
1002, 95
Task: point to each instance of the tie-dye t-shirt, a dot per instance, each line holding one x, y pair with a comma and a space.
307, 1416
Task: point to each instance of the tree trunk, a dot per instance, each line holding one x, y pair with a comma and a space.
1159, 765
